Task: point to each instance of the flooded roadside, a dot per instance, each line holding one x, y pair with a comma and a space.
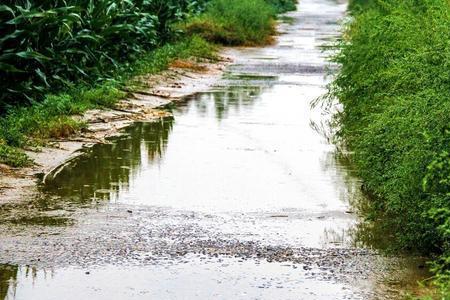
238, 196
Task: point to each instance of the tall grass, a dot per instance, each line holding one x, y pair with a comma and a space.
238, 22
358, 5
282, 6
394, 88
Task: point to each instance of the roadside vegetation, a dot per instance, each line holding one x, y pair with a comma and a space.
24, 126
61, 58
394, 87
235, 22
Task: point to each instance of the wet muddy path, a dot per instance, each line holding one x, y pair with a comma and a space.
239, 196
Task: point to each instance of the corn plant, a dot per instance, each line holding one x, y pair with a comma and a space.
49, 45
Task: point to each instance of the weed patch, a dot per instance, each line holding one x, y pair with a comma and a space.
235, 22
393, 85
12, 156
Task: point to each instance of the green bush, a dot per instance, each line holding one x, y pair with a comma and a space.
393, 85
235, 22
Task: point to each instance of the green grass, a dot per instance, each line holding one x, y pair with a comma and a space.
282, 6
51, 118
239, 22
356, 6
23, 126
12, 156
159, 60
235, 22
393, 86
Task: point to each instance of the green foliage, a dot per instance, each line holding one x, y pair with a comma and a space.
235, 22
105, 95
47, 45
51, 118
83, 51
199, 48
282, 6
160, 59
41, 120
393, 85
442, 282
357, 5
13, 156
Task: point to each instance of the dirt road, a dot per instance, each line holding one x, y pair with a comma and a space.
239, 196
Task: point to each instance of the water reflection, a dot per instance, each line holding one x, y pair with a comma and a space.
218, 104
195, 278
8, 278
104, 171
368, 232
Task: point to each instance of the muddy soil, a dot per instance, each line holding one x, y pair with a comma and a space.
238, 194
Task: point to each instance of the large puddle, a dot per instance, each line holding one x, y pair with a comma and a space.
239, 196
244, 148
